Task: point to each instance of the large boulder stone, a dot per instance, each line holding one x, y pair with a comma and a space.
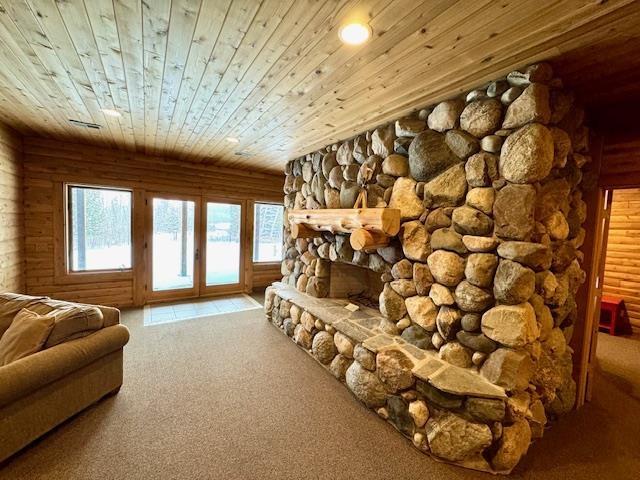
513, 212
446, 267
366, 386
348, 193
454, 439
485, 409
469, 221
481, 117
471, 298
365, 357
417, 336
448, 188
448, 239
403, 287
438, 218
533, 255
339, 365
409, 127
302, 337
456, 354
448, 322
382, 141
441, 295
344, 344
531, 106
445, 115
328, 163
391, 304
527, 154
481, 169
480, 269
395, 165
344, 154
513, 444
415, 241
422, 278
429, 155
404, 198
323, 347
481, 198
398, 411
422, 311
461, 143
419, 412
478, 342
335, 177
479, 244
508, 368
513, 283
402, 269
511, 325
394, 370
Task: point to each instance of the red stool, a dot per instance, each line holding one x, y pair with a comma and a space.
615, 308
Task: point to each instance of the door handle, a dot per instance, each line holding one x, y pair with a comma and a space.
197, 254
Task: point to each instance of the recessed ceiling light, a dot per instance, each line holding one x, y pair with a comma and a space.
111, 113
355, 33
232, 140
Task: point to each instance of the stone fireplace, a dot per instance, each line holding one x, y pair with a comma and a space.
467, 349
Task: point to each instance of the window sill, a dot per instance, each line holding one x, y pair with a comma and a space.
94, 276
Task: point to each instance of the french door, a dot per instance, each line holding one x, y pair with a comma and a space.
194, 246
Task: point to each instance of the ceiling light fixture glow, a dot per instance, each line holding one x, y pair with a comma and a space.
355, 33
111, 113
232, 140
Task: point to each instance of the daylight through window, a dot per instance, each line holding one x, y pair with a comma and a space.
267, 239
99, 229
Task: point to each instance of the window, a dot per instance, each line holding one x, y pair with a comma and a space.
267, 236
99, 228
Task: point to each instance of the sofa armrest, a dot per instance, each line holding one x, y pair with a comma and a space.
111, 315
26, 375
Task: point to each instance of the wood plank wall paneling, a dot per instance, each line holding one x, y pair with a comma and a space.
11, 211
622, 264
49, 163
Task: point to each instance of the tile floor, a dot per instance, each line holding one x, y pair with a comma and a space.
204, 307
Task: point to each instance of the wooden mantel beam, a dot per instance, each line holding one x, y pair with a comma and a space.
347, 220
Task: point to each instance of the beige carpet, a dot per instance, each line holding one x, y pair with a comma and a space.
230, 397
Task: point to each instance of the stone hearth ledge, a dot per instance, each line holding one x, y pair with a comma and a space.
362, 326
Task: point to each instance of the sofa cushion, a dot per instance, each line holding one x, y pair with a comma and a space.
25, 336
10, 305
72, 320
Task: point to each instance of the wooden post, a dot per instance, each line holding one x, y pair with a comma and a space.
362, 239
300, 230
383, 220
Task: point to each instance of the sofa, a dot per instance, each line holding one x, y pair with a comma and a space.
80, 363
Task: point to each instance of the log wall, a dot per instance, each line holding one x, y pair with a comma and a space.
622, 264
11, 211
49, 164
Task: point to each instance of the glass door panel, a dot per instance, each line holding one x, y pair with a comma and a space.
223, 246
173, 244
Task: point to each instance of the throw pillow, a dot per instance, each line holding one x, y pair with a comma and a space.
25, 336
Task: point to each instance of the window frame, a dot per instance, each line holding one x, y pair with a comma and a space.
110, 273
255, 230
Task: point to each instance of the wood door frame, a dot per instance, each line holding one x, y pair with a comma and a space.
238, 287
174, 294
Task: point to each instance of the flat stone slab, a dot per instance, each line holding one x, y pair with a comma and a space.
363, 326
456, 380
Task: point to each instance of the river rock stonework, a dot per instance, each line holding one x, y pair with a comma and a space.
468, 354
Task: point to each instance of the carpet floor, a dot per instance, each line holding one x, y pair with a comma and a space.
230, 397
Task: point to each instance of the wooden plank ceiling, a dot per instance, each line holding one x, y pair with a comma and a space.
187, 74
